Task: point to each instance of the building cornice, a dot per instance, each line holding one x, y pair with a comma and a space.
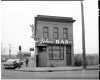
54, 18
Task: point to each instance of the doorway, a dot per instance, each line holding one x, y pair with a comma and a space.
42, 56
68, 55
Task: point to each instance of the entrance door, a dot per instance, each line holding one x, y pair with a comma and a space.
68, 55
37, 60
42, 57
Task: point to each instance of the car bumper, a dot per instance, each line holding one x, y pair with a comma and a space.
8, 66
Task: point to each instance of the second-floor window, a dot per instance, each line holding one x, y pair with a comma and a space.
45, 32
65, 33
55, 33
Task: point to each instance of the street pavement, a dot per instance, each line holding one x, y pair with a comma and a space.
51, 73
67, 74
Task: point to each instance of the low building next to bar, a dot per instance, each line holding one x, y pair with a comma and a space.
54, 41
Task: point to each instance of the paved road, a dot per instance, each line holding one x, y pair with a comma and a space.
80, 74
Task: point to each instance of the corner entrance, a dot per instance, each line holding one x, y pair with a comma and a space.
41, 58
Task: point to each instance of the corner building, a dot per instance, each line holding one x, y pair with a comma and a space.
54, 41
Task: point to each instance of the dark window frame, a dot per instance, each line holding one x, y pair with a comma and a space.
55, 32
65, 33
45, 32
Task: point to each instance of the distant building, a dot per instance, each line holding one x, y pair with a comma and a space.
54, 41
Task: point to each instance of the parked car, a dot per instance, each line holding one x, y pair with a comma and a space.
13, 63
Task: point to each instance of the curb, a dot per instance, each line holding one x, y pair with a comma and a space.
47, 70
52, 70
35, 70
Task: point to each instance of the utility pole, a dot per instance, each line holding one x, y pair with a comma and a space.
99, 20
83, 36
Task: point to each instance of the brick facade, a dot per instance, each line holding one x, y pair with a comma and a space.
52, 28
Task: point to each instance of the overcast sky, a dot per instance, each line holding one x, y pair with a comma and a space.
17, 16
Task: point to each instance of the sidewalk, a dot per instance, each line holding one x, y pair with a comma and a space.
51, 69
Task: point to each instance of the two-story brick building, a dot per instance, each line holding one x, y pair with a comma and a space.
54, 41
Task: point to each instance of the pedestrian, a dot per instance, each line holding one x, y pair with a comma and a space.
27, 60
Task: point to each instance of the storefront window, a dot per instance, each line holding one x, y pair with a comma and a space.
56, 53
50, 53
61, 56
